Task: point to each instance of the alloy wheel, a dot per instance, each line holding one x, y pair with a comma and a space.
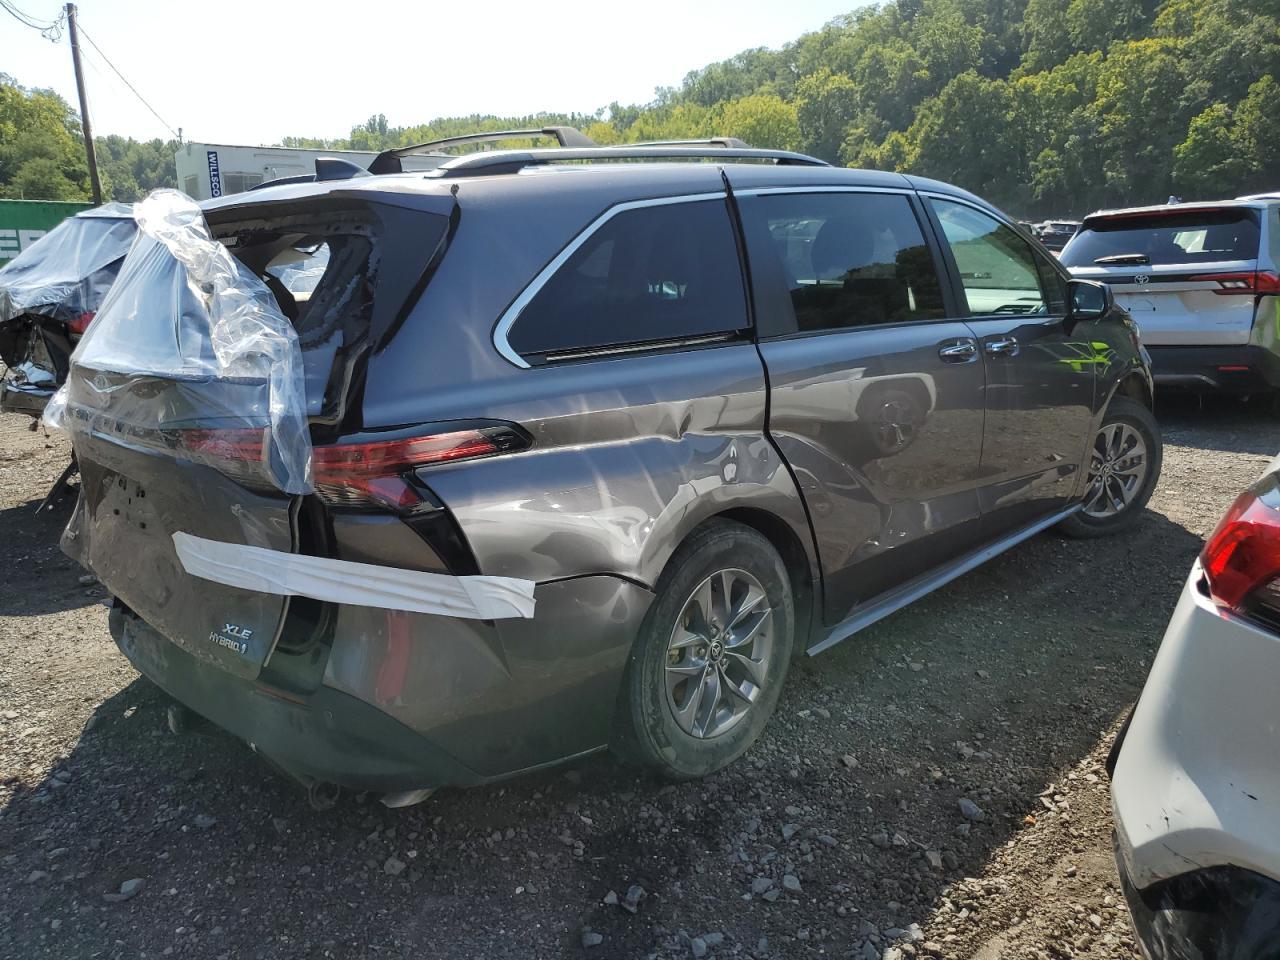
1117, 470
719, 653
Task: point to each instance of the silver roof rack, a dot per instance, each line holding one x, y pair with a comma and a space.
494, 162
727, 142
388, 161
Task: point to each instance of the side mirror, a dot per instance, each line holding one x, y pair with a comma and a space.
1089, 300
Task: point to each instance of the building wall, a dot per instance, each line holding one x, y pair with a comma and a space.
23, 222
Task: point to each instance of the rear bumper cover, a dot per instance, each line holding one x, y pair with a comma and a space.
1247, 368
30, 401
439, 701
1220, 913
326, 735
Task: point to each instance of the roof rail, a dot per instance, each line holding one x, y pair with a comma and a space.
733, 142
493, 162
388, 161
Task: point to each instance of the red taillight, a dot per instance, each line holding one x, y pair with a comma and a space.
239, 452
1253, 283
1243, 553
355, 474
242, 445
81, 323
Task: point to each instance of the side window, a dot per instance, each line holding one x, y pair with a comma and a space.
998, 269
843, 259
646, 275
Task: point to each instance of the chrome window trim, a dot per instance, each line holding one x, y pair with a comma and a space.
512, 313
818, 188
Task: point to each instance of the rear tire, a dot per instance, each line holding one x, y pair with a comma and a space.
1112, 502
709, 663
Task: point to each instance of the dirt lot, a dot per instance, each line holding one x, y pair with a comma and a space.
839, 835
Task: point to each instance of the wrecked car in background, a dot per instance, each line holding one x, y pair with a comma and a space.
49, 295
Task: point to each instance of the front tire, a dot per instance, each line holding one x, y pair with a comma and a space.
706, 671
1124, 465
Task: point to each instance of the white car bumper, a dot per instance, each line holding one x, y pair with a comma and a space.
1197, 781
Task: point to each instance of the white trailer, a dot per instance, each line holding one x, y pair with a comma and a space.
207, 170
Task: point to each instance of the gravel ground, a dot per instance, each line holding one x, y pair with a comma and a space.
843, 833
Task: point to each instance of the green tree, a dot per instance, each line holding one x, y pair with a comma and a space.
41, 157
762, 120
1210, 162
826, 103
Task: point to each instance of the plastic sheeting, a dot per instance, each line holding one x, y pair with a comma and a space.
346, 581
190, 351
68, 271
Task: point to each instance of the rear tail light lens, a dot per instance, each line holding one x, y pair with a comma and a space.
1252, 283
241, 452
1241, 559
379, 473
80, 324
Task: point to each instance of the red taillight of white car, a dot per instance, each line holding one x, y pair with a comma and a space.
1241, 559
1253, 283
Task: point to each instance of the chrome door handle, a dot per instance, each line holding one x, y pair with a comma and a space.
1001, 347
958, 351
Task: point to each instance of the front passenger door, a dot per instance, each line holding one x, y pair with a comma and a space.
875, 389
1040, 378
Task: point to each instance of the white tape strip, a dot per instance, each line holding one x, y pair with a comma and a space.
345, 581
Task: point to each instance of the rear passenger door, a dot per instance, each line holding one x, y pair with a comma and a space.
1040, 377
875, 393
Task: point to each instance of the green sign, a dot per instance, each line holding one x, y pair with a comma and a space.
23, 222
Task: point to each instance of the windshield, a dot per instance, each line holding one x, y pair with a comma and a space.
1196, 236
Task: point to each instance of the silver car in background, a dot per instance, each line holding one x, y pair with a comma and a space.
1202, 281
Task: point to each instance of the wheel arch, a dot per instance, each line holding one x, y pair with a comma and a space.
1136, 387
801, 570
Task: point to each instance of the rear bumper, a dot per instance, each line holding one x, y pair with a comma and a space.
14, 400
1220, 913
326, 735
410, 701
1247, 368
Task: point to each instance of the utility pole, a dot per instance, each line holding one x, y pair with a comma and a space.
89, 151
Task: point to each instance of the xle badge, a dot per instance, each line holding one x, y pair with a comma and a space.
233, 637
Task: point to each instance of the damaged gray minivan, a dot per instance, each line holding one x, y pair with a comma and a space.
564, 452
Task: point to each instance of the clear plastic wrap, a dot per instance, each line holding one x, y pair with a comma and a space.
68, 271
191, 354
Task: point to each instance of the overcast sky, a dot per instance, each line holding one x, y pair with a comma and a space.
252, 72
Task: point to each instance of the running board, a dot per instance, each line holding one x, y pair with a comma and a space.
913, 590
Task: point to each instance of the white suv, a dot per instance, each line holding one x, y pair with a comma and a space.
1202, 280
1196, 771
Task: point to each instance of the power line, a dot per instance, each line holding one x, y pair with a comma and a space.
49, 29
107, 60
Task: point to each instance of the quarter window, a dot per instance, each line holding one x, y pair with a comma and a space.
997, 267
647, 275
844, 260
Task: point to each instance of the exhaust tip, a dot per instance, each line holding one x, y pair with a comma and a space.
406, 798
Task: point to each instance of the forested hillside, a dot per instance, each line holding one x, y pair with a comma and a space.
1044, 106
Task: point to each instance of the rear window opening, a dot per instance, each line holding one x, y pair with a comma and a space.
342, 273
1194, 236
